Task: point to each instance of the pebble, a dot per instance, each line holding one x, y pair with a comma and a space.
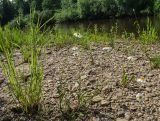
97, 99
132, 58
108, 49
107, 89
148, 89
121, 114
95, 119
120, 119
74, 48
83, 77
128, 115
75, 86
140, 114
104, 103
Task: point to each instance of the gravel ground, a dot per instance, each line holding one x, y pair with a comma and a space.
100, 70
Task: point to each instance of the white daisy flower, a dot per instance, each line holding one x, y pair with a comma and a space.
139, 97
78, 35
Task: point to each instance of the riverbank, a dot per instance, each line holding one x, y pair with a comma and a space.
96, 76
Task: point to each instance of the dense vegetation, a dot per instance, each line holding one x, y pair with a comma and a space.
69, 10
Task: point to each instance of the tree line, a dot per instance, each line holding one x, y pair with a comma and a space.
71, 10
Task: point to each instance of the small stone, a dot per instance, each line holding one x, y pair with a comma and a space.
140, 114
132, 58
97, 99
128, 115
107, 89
134, 109
120, 119
119, 94
74, 104
91, 82
108, 49
55, 95
83, 77
95, 119
48, 51
74, 48
114, 97
150, 75
121, 114
50, 81
22, 119
75, 86
104, 103
148, 89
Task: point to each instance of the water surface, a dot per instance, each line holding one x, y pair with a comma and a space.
124, 24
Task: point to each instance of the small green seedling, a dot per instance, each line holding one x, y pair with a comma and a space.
155, 62
125, 78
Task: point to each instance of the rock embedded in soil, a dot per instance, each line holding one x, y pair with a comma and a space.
121, 119
107, 49
128, 115
104, 103
74, 48
83, 77
107, 89
75, 86
95, 119
97, 99
132, 58
121, 114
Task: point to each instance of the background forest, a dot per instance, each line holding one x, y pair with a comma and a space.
17, 11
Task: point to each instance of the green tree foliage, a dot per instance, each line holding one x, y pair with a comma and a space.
50, 4
37, 4
78, 9
157, 6
82, 9
7, 11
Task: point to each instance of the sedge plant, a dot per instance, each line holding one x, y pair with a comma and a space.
148, 35
125, 80
27, 93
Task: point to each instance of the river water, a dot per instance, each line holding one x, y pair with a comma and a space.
123, 24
